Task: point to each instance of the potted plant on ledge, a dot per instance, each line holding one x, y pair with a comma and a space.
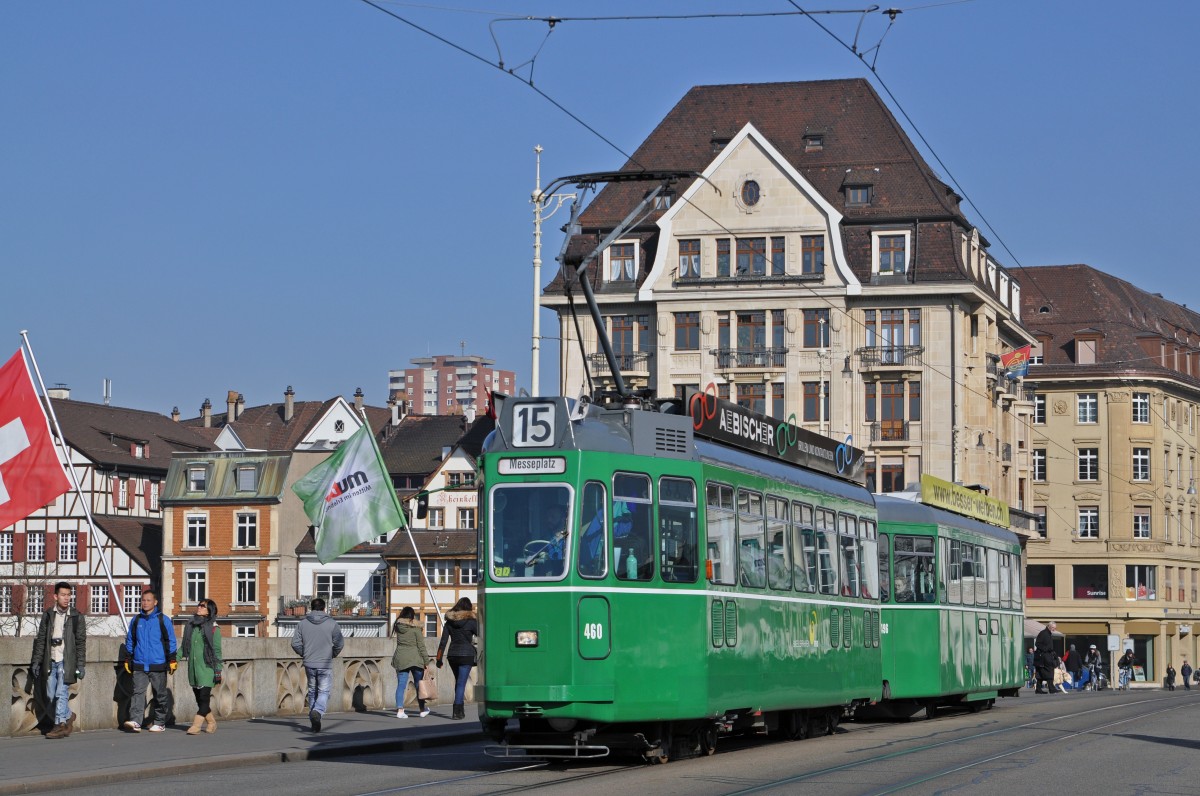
348, 605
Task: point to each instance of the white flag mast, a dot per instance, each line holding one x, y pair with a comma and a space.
66, 453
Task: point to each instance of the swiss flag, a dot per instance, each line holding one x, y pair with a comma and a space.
30, 473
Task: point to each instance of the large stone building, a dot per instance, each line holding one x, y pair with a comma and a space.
1116, 375
819, 268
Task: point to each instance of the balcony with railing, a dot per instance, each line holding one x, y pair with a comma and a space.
729, 358
634, 363
893, 356
890, 431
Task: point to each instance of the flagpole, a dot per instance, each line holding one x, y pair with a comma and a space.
87, 507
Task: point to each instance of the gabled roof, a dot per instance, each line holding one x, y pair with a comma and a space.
433, 544
106, 434
1079, 299
222, 482
139, 537
472, 441
308, 546
263, 427
415, 446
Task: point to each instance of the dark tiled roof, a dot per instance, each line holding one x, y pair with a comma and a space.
415, 446
433, 544
308, 546
472, 441
139, 537
1129, 321
263, 427
105, 434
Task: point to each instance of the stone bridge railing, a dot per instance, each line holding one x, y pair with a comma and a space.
262, 677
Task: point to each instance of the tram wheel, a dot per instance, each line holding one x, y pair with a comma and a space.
832, 721
975, 707
708, 740
796, 728
931, 710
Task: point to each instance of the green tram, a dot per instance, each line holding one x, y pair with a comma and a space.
651, 579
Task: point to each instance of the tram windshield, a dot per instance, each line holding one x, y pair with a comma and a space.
530, 531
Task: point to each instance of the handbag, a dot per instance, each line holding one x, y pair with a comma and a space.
427, 688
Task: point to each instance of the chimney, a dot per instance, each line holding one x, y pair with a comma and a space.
59, 391
394, 405
469, 414
241, 404
289, 404
231, 406
175, 413
358, 399
206, 413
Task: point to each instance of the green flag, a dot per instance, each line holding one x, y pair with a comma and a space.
349, 497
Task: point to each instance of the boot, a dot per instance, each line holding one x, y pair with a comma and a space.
59, 729
68, 726
197, 723
459, 711
211, 722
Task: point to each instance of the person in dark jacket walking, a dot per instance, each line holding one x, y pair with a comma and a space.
201, 648
60, 652
1074, 662
1186, 672
1047, 661
459, 631
318, 640
1169, 680
151, 653
410, 658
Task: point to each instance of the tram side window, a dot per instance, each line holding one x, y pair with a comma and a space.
593, 550
870, 553
779, 573
752, 557
885, 575
1017, 592
804, 548
1005, 580
981, 577
993, 571
914, 570
722, 533
943, 563
848, 561
827, 566
677, 529
955, 589
970, 571
632, 527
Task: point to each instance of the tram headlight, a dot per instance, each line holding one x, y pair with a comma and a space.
527, 638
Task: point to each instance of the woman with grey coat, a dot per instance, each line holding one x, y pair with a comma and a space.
410, 658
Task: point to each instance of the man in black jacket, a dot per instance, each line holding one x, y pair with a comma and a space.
60, 652
1043, 647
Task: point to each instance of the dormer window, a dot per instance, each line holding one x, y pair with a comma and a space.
1086, 350
663, 201
890, 253
247, 478
197, 478
814, 142
622, 267
858, 195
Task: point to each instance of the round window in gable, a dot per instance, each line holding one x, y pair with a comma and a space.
750, 193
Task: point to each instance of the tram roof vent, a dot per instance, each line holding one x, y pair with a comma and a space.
661, 435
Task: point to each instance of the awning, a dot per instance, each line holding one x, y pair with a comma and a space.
1033, 627
1142, 627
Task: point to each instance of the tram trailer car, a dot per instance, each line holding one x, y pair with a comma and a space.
646, 590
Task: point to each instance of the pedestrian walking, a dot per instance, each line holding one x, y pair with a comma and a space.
318, 641
1186, 672
202, 650
1046, 661
459, 632
60, 653
409, 659
150, 648
1169, 681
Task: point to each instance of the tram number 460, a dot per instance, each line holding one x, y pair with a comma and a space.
593, 630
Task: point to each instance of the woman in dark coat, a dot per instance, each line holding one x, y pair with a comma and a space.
409, 659
202, 650
459, 631
1043, 647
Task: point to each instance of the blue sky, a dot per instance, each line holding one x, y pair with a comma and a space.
205, 196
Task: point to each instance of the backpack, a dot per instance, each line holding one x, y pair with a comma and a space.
166, 640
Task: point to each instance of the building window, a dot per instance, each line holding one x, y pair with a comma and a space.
1141, 522
466, 518
687, 331
750, 193
1039, 582
813, 143
123, 493
246, 586
914, 400
378, 588
244, 630
468, 572
437, 518
68, 546
751, 256
431, 625
131, 597
197, 530
1039, 464
858, 194
247, 479
35, 546
891, 475
1039, 516
816, 394
723, 257
247, 530
330, 585
812, 254
35, 600
689, 259
816, 328
620, 262
1090, 581
777, 404
1089, 464
1141, 464
463, 480
1141, 407
1086, 407
197, 479
6, 599
98, 603
195, 586
1141, 582
752, 336
6, 545
778, 257
441, 572
892, 257
152, 496
1039, 410
408, 573
1089, 522
753, 397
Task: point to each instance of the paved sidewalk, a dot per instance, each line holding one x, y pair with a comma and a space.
35, 764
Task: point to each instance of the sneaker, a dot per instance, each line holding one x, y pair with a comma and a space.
424, 713
157, 728
400, 714
314, 718
132, 726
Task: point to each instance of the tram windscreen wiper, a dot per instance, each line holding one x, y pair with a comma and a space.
558, 537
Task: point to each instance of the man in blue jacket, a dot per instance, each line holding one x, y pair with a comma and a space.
150, 647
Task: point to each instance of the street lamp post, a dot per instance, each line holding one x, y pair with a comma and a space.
539, 202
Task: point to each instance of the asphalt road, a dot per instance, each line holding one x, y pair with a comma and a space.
1144, 742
